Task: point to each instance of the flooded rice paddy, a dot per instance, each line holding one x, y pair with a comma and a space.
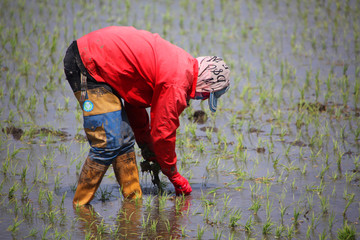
279, 159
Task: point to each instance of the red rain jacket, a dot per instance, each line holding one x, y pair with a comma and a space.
147, 71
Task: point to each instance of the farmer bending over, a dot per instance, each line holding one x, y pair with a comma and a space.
144, 71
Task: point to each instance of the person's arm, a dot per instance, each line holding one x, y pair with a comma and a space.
168, 103
139, 122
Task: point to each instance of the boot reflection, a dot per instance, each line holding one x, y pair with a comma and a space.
89, 221
129, 219
166, 223
135, 221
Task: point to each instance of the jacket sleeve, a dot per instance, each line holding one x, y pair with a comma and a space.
139, 122
168, 103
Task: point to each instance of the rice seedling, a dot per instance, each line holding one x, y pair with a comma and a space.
62, 201
12, 190
15, 226
25, 192
282, 212
207, 210
216, 234
101, 228
148, 202
183, 231
49, 198
323, 235
78, 166
179, 204
249, 224
331, 220
5, 167
346, 232
201, 231
297, 213
27, 210
324, 203
303, 171
32, 233
349, 201
279, 231
163, 199
226, 200
256, 205
104, 194
41, 195
52, 216
267, 227
45, 177
24, 173
168, 225
339, 160
314, 221
290, 231
234, 217
146, 221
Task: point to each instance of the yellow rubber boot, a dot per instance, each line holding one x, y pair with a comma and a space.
90, 178
127, 175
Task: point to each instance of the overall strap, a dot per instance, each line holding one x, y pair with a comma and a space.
83, 73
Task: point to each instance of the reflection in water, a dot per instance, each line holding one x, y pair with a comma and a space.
134, 221
129, 219
165, 222
89, 221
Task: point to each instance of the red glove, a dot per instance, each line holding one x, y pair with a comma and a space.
181, 184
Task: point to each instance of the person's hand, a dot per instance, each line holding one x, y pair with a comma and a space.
147, 152
181, 184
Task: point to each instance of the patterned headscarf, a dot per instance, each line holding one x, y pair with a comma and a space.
213, 78
213, 74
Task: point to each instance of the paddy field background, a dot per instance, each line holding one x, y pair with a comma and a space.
279, 159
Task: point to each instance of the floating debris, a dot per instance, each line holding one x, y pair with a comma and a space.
17, 133
255, 130
260, 150
80, 138
312, 106
14, 131
211, 129
199, 117
298, 143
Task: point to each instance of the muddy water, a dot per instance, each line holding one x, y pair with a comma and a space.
286, 135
